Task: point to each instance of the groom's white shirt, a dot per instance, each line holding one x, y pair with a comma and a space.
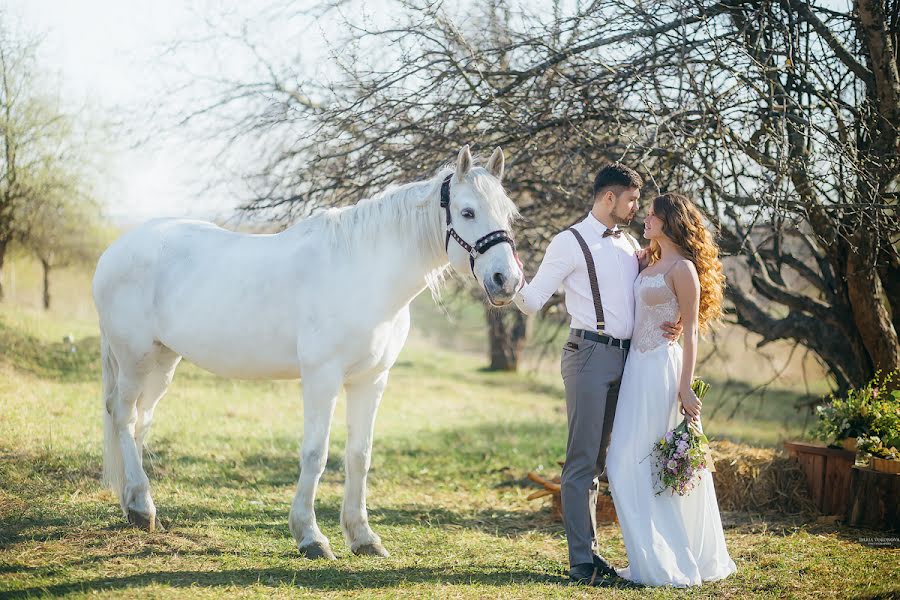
564, 264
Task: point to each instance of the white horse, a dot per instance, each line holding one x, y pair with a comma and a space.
326, 300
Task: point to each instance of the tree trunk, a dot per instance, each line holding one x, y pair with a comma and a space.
3, 245
889, 271
869, 312
506, 336
872, 297
46, 266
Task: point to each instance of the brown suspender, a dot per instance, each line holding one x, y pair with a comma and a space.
592, 277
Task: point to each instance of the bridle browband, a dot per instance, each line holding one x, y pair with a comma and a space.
483, 244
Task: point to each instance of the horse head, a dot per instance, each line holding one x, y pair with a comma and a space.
478, 217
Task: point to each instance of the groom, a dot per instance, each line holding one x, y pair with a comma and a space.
596, 263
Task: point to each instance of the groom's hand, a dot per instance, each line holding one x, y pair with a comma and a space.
521, 269
672, 331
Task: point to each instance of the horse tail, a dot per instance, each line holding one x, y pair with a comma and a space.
113, 465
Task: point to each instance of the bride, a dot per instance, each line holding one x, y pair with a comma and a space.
670, 539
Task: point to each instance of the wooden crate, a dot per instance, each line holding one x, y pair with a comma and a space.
827, 472
874, 499
606, 510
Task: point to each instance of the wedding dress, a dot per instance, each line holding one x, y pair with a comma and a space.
670, 539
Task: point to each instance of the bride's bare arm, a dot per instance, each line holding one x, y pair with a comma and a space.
687, 290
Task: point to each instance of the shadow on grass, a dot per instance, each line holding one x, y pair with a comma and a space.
44, 483
329, 578
496, 453
273, 521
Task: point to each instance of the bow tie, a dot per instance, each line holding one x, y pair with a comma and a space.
616, 233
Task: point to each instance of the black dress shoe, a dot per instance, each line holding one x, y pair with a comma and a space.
593, 574
583, 574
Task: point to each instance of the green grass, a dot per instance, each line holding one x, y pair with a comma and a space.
446, 491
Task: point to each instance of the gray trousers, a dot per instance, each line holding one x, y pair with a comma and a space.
591, 373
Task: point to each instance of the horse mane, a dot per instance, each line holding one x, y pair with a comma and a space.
402, 210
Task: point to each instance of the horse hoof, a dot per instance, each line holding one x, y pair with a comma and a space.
317, 550
371, 550
145, 522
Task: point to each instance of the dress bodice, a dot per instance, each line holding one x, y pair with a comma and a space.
655, 303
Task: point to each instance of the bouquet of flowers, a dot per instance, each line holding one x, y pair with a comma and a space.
683, 453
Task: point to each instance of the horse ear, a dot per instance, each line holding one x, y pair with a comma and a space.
463, 163
496, 163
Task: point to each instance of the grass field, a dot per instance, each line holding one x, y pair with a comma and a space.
446, 490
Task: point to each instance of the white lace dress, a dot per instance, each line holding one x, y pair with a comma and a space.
670, 539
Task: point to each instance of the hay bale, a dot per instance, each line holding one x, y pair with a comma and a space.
759, 480
747, 479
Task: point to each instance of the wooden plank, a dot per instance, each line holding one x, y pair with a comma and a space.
795, 448
836, 485
813, 467
816, 478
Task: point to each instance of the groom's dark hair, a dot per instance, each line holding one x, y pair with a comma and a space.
616, 175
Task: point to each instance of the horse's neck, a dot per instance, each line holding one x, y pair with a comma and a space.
399, 279
401, 257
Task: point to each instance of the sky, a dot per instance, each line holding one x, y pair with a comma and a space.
104, 56
107, 60
95, 50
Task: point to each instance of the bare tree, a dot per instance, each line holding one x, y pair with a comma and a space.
43, 157
779, 117
63, 232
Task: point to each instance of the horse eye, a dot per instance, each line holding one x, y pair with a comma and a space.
468, 213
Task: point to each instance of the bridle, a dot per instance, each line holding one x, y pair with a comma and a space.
483, 244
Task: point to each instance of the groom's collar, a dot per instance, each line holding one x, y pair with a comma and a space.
596, 225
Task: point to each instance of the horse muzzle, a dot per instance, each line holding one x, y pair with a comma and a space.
501, 287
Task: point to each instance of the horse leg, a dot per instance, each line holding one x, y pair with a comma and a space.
135, 492
155, 386
133, 381
320, 390
363, 398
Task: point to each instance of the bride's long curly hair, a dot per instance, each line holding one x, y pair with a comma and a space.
683, 224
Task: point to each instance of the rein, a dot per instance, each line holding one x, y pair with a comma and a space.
483, 244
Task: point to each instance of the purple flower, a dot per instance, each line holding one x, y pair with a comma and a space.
669, 437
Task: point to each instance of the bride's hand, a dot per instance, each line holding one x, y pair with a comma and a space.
690, 404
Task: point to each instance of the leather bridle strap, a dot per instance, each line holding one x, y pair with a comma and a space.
483, 244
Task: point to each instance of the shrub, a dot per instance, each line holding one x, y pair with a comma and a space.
871, 411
